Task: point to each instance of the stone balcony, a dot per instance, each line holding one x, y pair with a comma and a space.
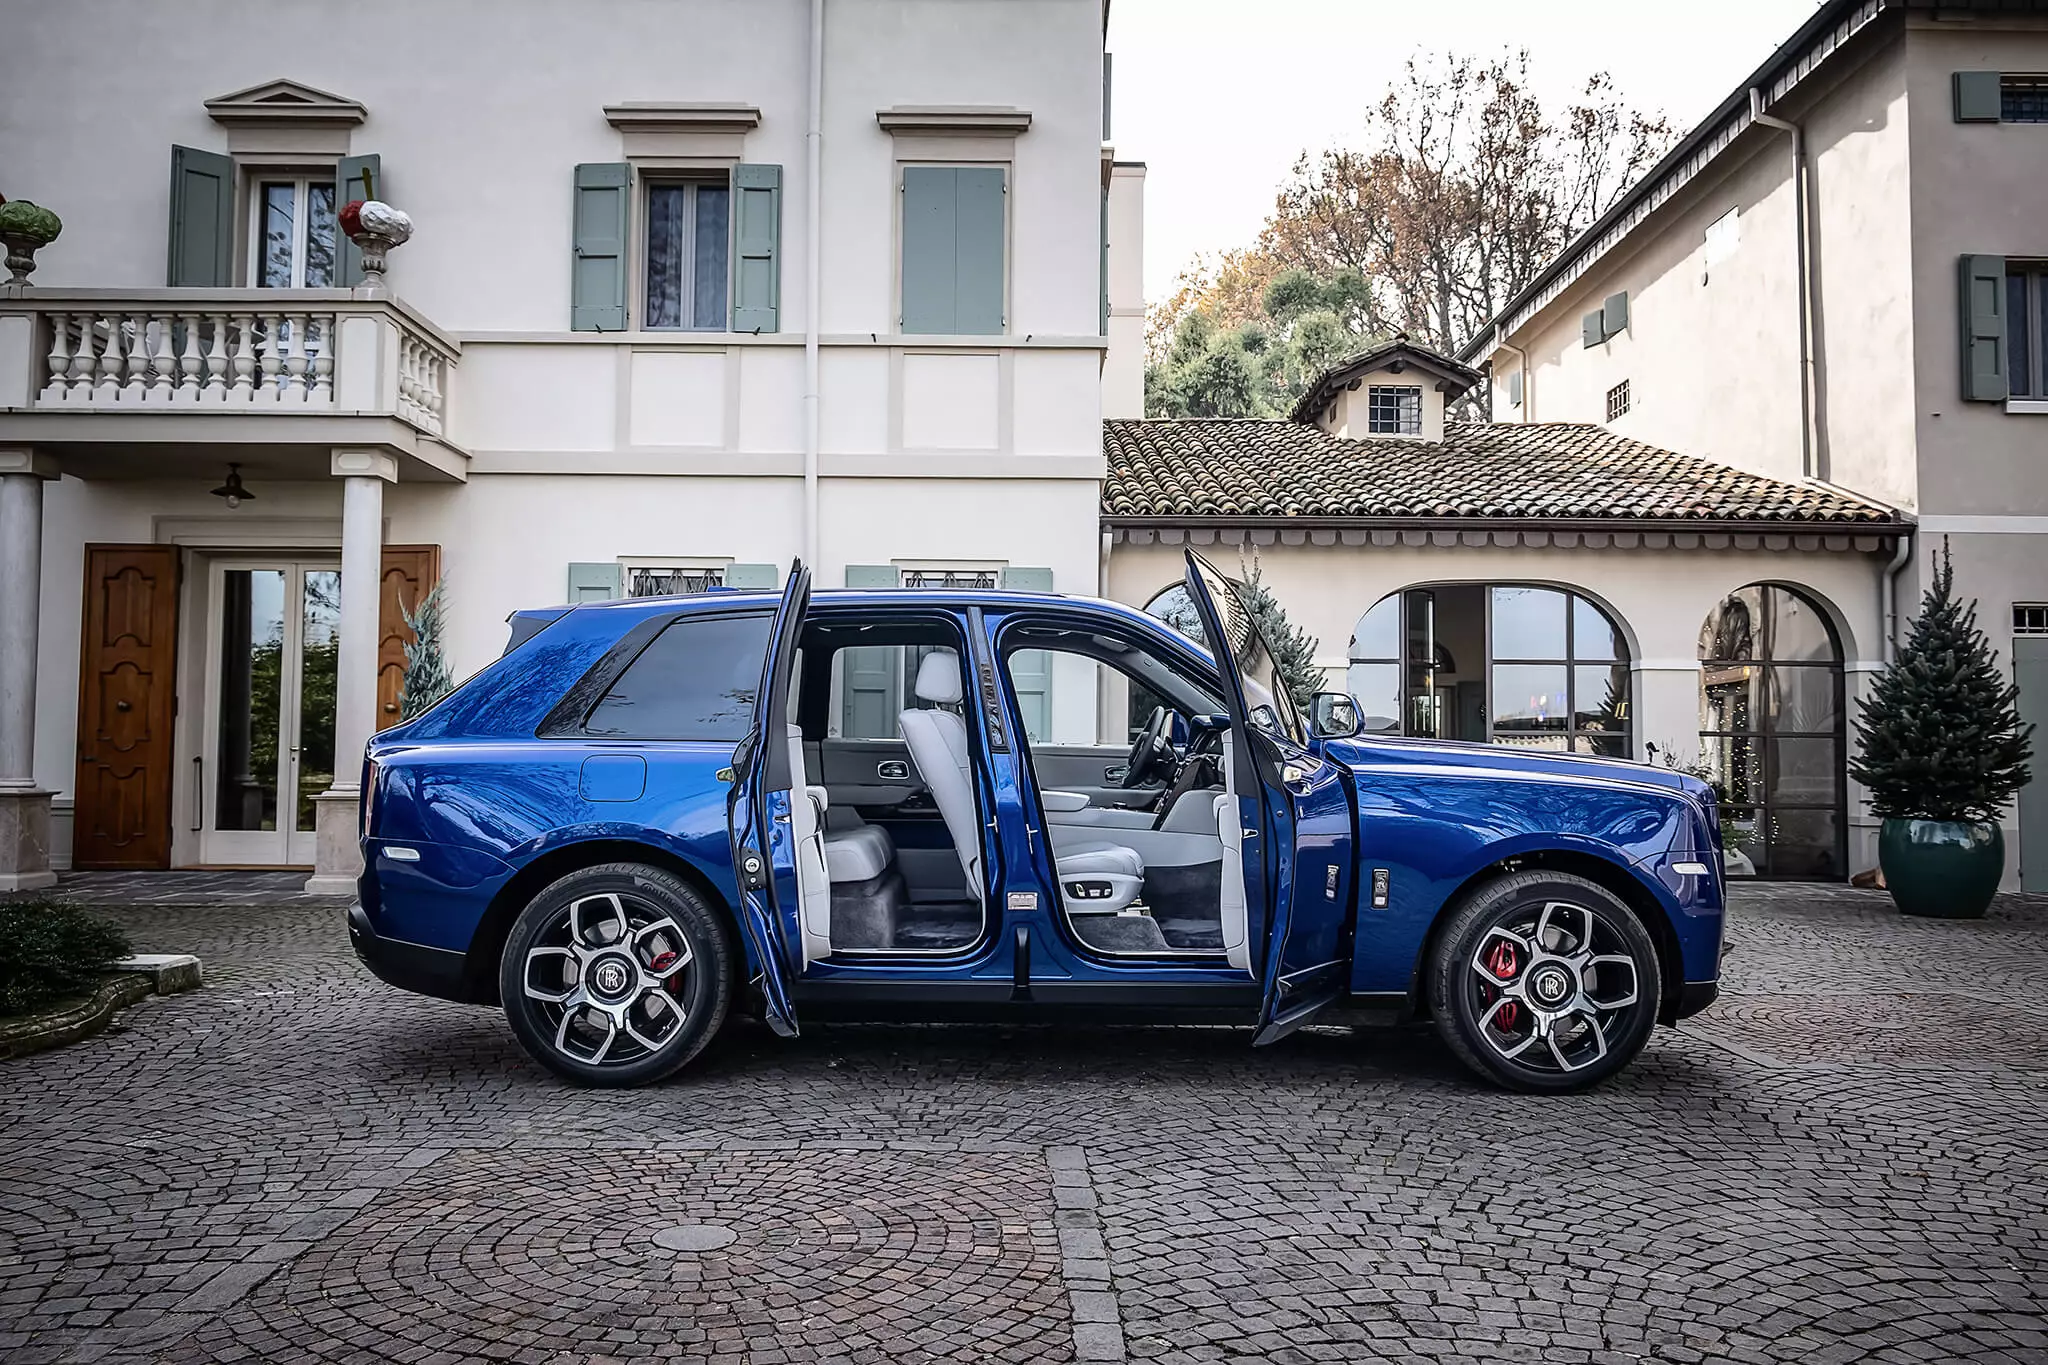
126, 383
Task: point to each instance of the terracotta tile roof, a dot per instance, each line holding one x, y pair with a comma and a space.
1562, 471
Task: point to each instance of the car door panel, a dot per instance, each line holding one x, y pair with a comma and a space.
869, 772
1086, 768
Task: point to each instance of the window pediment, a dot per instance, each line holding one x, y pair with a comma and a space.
287, 118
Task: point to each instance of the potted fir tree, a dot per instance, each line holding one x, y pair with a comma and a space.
1940, 746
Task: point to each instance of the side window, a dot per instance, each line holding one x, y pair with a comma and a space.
1101, 700
695, 680
872, 685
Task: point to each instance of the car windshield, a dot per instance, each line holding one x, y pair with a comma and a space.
1258, 672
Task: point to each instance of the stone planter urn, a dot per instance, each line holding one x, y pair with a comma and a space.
376, 228
1941, 869
25, 229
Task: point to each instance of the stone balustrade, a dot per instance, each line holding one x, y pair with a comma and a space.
207, 350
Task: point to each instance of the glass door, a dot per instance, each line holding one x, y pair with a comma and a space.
270, 710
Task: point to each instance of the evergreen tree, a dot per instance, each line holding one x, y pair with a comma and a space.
426, 668
1939, 737
1294, 649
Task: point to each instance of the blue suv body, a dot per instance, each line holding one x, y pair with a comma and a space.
651, 811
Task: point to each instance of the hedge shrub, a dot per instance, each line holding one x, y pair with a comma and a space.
50, 950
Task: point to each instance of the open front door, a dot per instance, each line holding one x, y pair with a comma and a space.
1296, 818
757, 811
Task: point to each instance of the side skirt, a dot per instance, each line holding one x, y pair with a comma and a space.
1000, 1001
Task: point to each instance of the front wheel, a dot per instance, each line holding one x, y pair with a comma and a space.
616, 975
1543, 981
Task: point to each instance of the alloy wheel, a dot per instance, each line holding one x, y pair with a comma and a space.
610, 976
1553, 986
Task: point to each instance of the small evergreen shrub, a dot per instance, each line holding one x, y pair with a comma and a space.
50, 950
1939, 737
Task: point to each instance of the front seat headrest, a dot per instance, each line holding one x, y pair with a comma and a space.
938, 677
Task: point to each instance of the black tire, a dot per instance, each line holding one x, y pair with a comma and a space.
1496, 1024
642, 1042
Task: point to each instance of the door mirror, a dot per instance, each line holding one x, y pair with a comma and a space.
1333, 715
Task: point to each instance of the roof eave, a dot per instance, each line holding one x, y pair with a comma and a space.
1894, 525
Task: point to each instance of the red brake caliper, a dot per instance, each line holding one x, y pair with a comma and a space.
1501, 962
662, 962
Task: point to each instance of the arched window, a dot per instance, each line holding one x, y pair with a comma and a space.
1177, 609
1772, 732
1545, 668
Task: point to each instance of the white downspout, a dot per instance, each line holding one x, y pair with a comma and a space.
1888, 594
814, 137
1808, 439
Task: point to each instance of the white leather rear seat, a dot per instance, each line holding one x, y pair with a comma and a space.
855, 855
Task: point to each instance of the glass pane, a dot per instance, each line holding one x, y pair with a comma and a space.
2019, 359
1542, 741
319, 651
1601, 746
667, 225
1729, 632
1377, 688
695, 681
274, 271
1529, 697
1741, 840
1802, 843
2040, 334
1177, 609
1378, 633
1803, 772
251, 682
320, 236
710, 258
1802, 699
1792, 628
1528, 623
1738, 768
1420, 614
1728, 696
1265, 693
1593, 635
1600, 698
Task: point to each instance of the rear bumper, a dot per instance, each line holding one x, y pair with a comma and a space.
409, 966
1695, 996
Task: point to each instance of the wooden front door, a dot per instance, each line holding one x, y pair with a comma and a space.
409, 572
126, 701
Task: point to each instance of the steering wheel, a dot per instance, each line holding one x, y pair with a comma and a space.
1151, 749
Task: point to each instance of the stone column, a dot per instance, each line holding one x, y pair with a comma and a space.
337, 855
24, 807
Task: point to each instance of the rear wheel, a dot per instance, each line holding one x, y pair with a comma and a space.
1544, 981
616, 975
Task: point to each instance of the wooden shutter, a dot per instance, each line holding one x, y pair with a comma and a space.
594, 582
1982, 289
597, 282
348, 187
1614, 314
871, 677
978, 250
1031, 669
752, 576
756, 244
1977, 96
928, 238
1514, 388
1592, 329
410, 572
202, 220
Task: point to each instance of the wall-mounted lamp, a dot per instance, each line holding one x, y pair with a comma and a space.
233, 490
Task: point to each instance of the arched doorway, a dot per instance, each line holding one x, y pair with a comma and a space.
1520, 664
1772, 732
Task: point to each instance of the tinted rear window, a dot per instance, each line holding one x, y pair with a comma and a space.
695, 680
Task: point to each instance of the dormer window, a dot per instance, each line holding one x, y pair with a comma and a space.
1394, 410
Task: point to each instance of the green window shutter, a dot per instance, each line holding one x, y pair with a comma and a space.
1614, 314
594, 582
1514, 388
1592, 329
871, 677
752, 576
756, 244
1977, 96
978, 250
1031, 669
202, 220
873, 576
597, 283
1105, 260
928, 248
348, 187
1983, 328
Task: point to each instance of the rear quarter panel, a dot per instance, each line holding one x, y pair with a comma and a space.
1434, 826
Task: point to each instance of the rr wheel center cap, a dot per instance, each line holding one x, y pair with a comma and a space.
1550, 986
611, 978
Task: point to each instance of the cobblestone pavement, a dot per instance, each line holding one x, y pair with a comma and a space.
1844, 1160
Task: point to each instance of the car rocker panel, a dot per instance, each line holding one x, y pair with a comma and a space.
604, 832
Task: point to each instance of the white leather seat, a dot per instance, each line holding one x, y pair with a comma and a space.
855, 855
826, 857
1230, 829
1100, 856
938, 746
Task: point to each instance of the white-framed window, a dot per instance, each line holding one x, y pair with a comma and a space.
688, 246
2030, 618
294, 239
1394, 410
667, 577
2022, 98
960, 577
2026, 328
1617, 400
1722, 237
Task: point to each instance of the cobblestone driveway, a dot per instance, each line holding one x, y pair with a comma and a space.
1843, 1161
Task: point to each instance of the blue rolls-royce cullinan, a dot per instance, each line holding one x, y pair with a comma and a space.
651, 812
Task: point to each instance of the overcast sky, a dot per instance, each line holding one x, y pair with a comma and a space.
1217, 97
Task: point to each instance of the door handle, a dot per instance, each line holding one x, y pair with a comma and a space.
1115, 773
892, 770
198, 790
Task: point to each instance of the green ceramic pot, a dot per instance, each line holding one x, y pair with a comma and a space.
1945, 869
